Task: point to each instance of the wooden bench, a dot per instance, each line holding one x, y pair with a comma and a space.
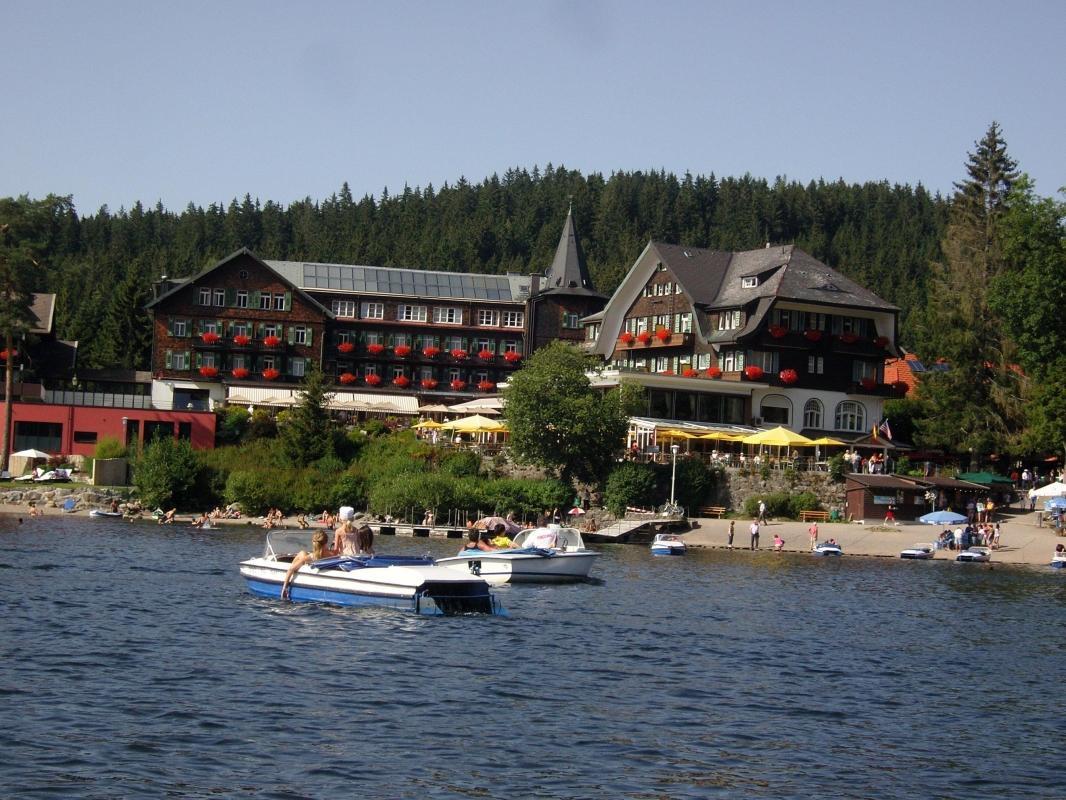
817, 516
711, 511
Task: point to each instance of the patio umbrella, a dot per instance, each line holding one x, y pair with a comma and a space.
778, 437
576, 511
428, 423
1057, 489
722, 436
674, 433
941, 518
31, 453
475, 424
826, 441
434, 408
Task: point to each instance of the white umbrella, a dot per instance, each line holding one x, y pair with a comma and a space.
1056, 489
31, 453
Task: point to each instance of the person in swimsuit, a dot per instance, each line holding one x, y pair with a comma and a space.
319, 550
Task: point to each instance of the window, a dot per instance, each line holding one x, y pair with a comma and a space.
454, 374
510, 347
279, 302
750, 282
220, 297
180, 328
211, 326
677, 288
662, 364
426, 373
179, 361
850, 416
411, 313
815, 322
242, 298
861, 370
762, 358
344, 337
488, 317
84, 437
372, 311
397, 372
268, 362
485, 344
481, 376
812, 414
662, 321
301, 335
241, 329
453, 343
401, 340
449, 315
668, 287
660, 266
239, 362
370, 369
683, 323
375, 337
264, 301
209, 359
571, 320
815, 365
203, 297
513, 319
731, 360
243, 274
775, 408
271, 329
297, 367
344, 308
729, 320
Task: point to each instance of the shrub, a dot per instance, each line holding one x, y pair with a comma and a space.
166, 472
256, 490
782, 504
232, 423
630, 484
461, 464
837, 468
109, 447
262, 426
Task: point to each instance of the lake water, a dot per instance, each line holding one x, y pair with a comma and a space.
134, 664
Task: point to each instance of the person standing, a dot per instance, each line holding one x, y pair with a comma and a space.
762, 511
754, 534
732, 528
813, 531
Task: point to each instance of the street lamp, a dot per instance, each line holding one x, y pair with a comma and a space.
673, 471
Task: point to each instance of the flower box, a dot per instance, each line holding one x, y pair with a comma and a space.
788, 376
375, 349
241, 340
459, 354
881, 341
402, 350
753, 373
689, 372
240, 372
643, 337
626, 338
867, 383
849, 338
373, 380
345, 347
347, 377
271, 341
402, 381
813, 336
714, 372
777, 331
429, 383
209, 372
486, 386
486, 355
4, 354
271, 374
431, 351
458, 385
210, 337
662, 334
512, 356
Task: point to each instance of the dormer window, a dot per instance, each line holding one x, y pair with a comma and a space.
750, 282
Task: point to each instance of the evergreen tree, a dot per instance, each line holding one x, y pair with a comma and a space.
307, 435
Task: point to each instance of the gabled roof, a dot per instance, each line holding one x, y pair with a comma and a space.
568, 273
43, 309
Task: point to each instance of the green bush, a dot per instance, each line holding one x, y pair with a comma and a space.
109, 447
630, 484
837, 468
781, 504
461, 463
262, 426
231, 423
165, 473
256, 491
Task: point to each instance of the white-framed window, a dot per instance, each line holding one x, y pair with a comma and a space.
485, 344
731, 360
454, 374
702, 360
863, 369
510, 347
203, 296
344, 337
372, 311
375, 337
180, 360
592, 333
209, 359
370, 369
571, 320
668, 287
488, 317
677, 288
264, 301
238, 361
683, 322
242, 298
762, 358
662, 364
850, 416
301, 335
750, 282
272, 329
729, 320
344, 308
481, 375
815, 321
448, 315
641, 324
662, 321
648, 290
453, 343
425, 373
279, 302
660, 266
401, 340
242, 329
297, 367
815, 365
180, 328
220, 297
268, 362
513, 319
411, 313
812, 413
397, 372
211, 326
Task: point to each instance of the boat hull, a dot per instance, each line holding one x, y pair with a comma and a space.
500, 568
1058, 563
666, 550
108, 514
916, 556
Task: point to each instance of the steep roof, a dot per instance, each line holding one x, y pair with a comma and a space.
568, 273
43, 309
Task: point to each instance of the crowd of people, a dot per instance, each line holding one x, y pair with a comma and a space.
980, 535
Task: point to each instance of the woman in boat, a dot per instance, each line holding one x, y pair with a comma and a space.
319, 550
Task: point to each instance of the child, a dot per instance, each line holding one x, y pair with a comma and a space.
779, 543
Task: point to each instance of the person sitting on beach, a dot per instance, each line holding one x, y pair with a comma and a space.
319, 550
168, 518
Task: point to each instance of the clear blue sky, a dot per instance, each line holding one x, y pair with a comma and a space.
200, 102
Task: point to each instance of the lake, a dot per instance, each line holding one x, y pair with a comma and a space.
135, 664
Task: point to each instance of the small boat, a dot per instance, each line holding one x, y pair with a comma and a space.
827, 549
411, 583
99, 512
923, 551
974, 555
668, 544
541, 555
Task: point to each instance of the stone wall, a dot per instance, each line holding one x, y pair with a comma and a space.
737, 486
51, 495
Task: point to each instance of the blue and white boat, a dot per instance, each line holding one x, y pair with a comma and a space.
827, 549
668, 544
410, 583
101, 513
540, 555
974, 555
1058, 561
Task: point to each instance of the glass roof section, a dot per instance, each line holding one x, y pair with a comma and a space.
408, 282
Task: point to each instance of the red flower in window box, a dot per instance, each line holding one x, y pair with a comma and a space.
627, 338
402, 350
849, 338
753, 373
375, 349
486, 386
346, 347
429, 383
431, 351
689, 372
813, 335
241, 340
271, 374
486, 355
643, 337
867, 383
788, 376
458, 385
272, 341
402, 381
373, 380
881, 341
4, 354
714, 372
240, 372
662, 334
459, 354
210, 337
777, 331
209, 372
512, 356
347, 377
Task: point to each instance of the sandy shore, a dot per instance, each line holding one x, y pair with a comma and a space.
1022, 540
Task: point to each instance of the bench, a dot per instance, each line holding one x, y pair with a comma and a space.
711, 511
817, 516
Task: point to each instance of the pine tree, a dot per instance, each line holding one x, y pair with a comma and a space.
307, 435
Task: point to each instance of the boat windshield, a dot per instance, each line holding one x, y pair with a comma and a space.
287, 542
551, 537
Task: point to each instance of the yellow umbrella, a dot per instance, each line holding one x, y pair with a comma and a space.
722, 436
826, 440
778, 437
475, 424
673, 433
428, 423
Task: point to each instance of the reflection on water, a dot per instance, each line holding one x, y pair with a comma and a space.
134, 663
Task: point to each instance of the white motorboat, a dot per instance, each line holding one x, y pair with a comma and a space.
541, 555
668, 544
406, 582
99, 512
1058, 561
923, 551
827, 549
974, 555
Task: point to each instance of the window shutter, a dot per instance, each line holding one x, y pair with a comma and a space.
254, 301
288, 301
231, 298
292, 334
170, 326
229, 329
310, 337
199, 360
170, 359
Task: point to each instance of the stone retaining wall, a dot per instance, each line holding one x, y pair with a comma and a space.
53, 495
738, 487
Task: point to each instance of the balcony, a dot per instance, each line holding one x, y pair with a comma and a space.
654, 342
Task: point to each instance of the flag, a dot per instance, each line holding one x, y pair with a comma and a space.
883, 427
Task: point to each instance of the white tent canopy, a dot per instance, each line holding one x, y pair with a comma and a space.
1056, 489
